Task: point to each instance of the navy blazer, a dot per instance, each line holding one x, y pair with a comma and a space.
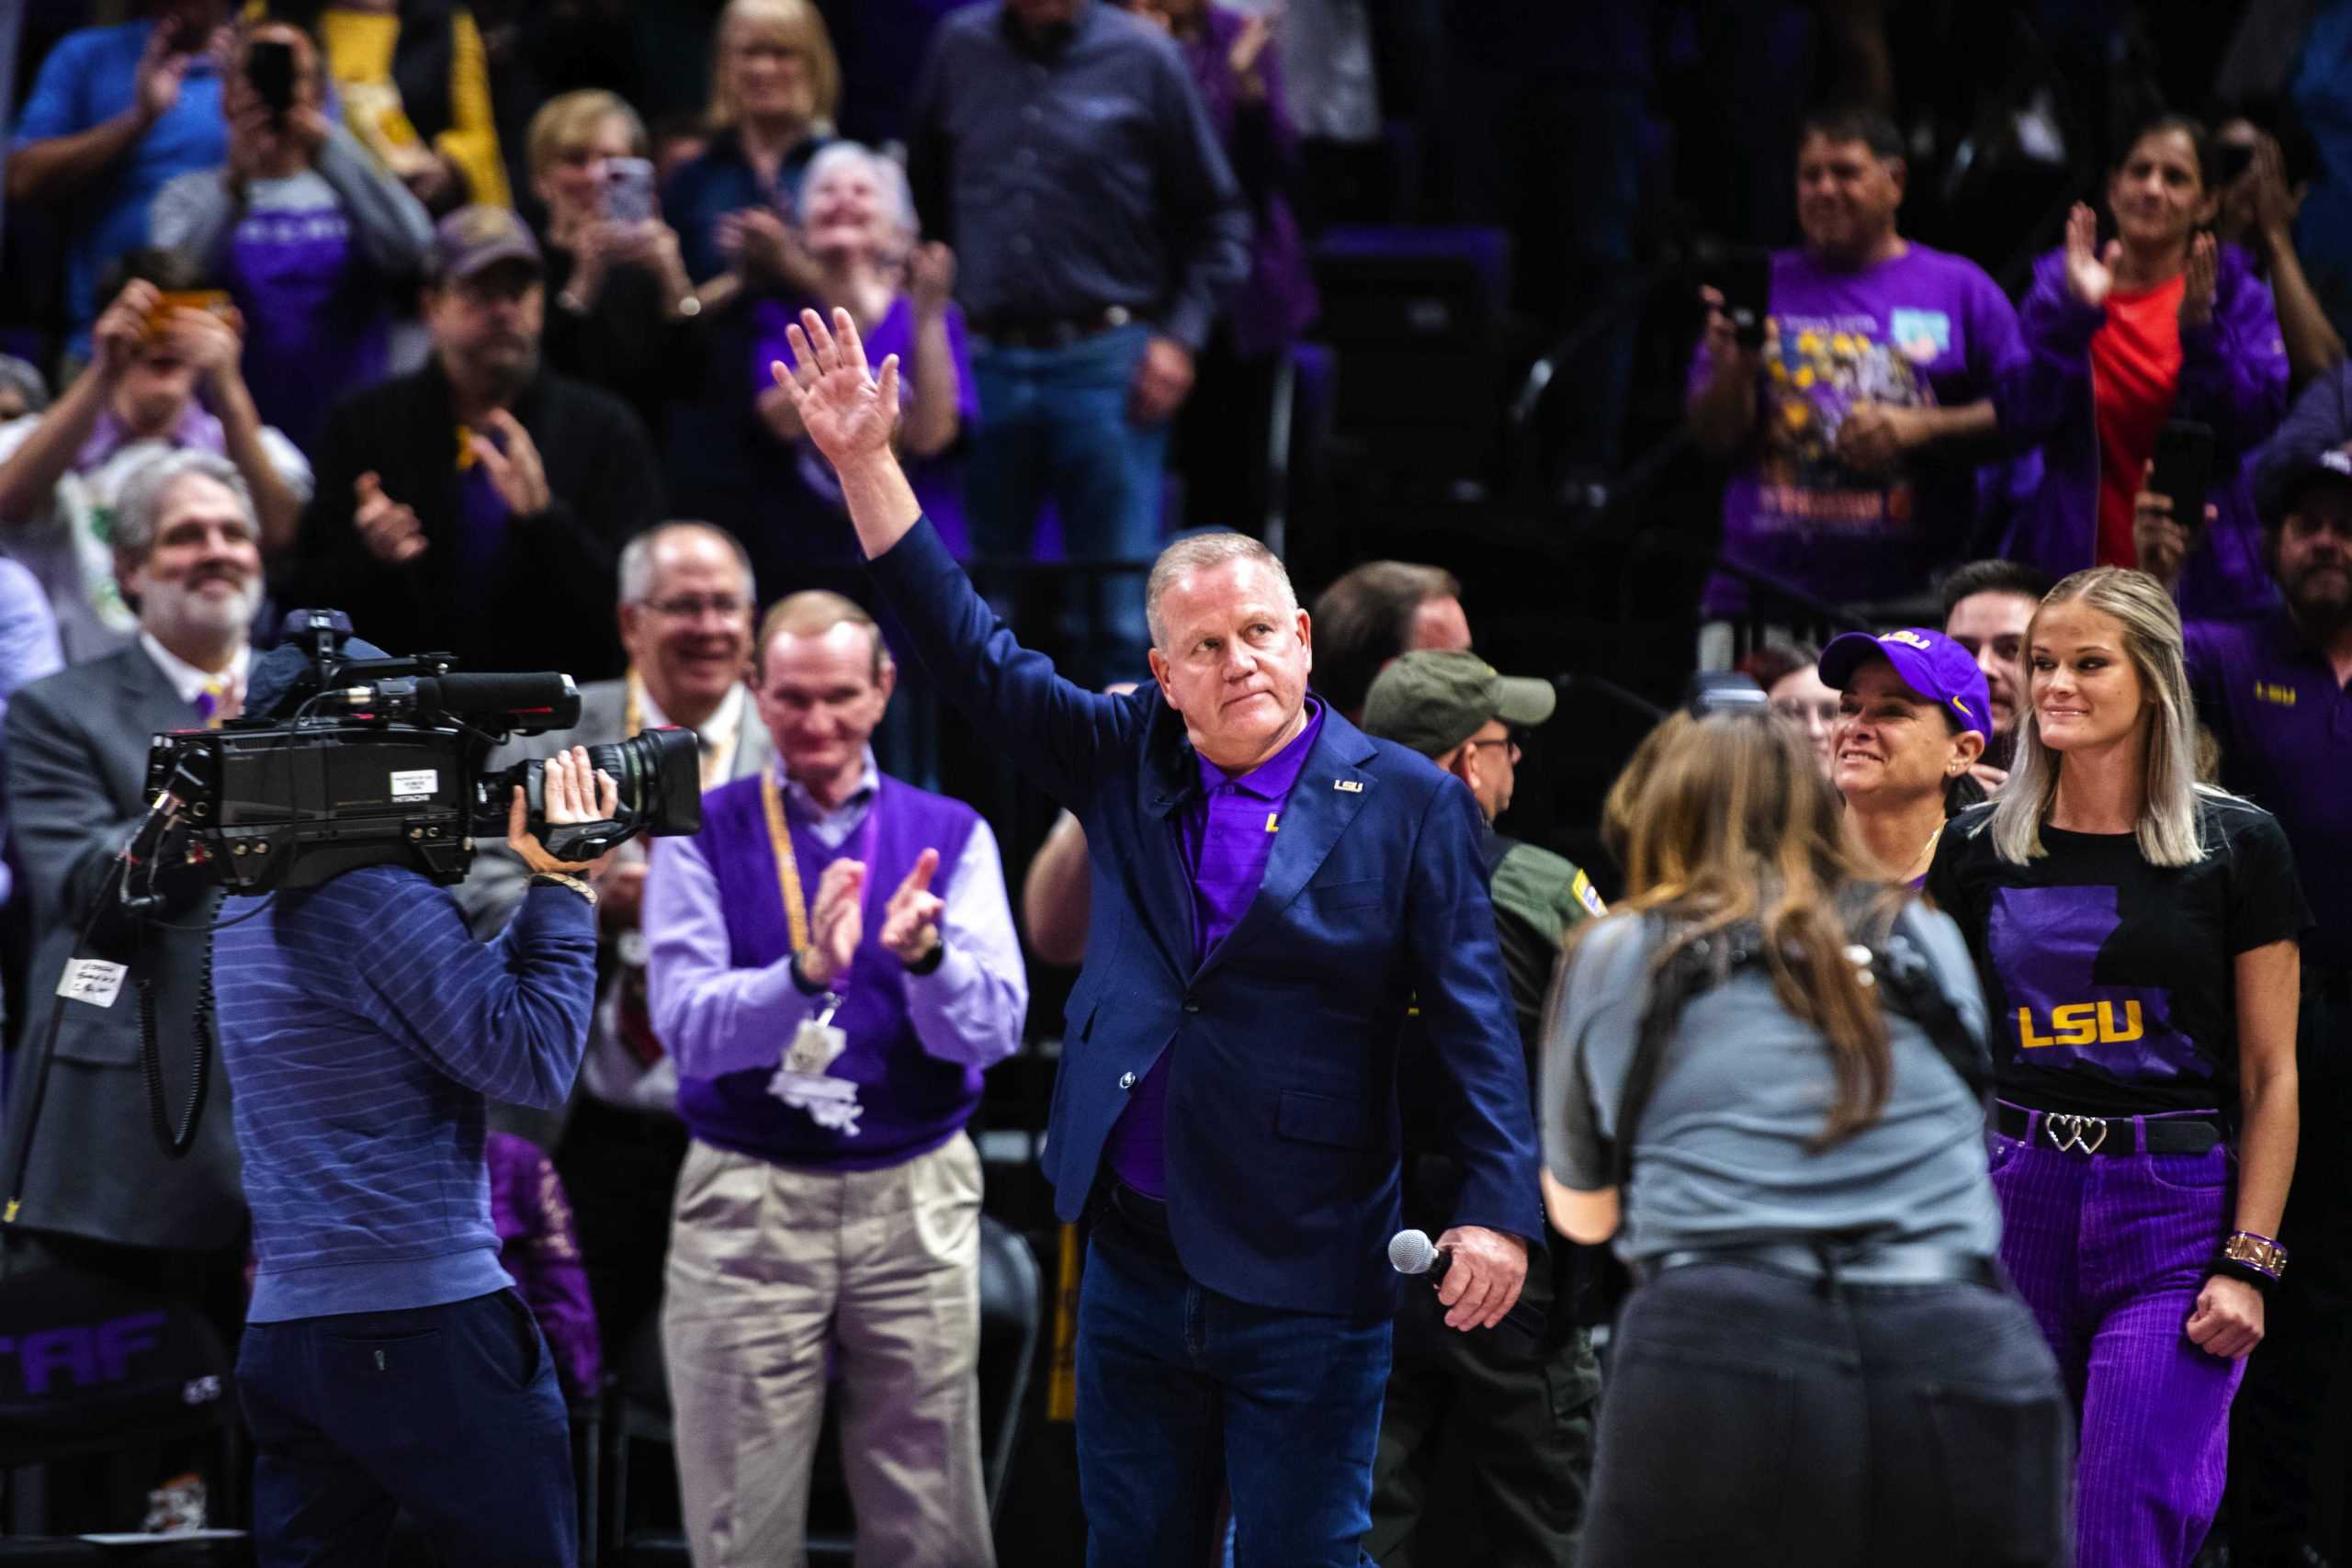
1283, 1140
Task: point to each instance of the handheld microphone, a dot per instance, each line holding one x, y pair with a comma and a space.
1413, 1254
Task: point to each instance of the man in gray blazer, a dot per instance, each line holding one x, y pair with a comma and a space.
187, 555
686, 620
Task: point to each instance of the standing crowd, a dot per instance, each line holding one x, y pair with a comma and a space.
1947, 1114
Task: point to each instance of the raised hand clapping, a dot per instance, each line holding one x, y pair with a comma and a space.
2090, 271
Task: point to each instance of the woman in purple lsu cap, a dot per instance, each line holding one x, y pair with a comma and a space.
2135, 933
1914, 715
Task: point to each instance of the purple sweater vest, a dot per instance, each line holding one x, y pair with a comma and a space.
911, 1101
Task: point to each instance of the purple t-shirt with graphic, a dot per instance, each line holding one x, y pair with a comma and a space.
1925, 329
2110, 983
1226, 836
938, 481
315, 322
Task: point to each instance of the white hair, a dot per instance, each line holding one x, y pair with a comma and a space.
637, 557
1203, 552
897, 195
139, 503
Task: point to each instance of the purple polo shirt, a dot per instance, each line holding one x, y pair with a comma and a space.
2271, 698
1226, 836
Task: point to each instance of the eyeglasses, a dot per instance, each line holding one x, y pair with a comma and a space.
1510, 740
694, 606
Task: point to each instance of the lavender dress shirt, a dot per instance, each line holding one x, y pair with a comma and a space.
969, 1009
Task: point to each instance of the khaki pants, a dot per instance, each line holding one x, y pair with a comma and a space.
771, 1269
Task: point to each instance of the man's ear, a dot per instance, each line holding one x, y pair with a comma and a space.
1307, 637
888, 682
1463, 763
1158, 662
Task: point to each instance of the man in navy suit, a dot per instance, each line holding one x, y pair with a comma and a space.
1272, 891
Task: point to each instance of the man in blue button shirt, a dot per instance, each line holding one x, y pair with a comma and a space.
1059, 146
116, 112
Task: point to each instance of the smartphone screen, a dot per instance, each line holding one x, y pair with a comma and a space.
629, 190
270, 66
2184, 465
1748, 294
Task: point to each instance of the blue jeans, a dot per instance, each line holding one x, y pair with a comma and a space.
1054, 425
449, 1412
1182, 1390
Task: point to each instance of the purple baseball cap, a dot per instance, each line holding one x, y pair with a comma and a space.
1930, 663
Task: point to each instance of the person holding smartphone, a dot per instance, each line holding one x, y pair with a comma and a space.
1854, 413
2160, 322
312, 239
623, 314
2271, 693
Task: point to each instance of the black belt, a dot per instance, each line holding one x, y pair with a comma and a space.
1138, 1217
1839, 1263
2065, 1131
1007, 331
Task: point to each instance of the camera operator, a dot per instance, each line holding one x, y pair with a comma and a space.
387, 1361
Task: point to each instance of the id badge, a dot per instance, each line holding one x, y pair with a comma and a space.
814, 1046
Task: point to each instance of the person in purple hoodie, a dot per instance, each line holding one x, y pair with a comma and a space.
2163, 323
1221, 431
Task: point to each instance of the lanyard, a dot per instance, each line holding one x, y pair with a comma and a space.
788, 867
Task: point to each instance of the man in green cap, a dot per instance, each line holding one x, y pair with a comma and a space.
1522, 1413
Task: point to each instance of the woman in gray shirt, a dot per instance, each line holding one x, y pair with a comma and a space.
1821, 1362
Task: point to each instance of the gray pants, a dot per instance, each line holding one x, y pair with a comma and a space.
780, 1280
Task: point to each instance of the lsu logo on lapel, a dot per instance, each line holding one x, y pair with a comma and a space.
2272, 691
2082, 1023
1348, 787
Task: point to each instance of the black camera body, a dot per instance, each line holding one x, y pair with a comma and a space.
374, 761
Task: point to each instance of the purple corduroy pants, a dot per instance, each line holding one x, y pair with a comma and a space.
2110, 1251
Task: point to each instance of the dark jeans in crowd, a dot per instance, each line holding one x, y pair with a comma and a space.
1182, 1391
1521, 1421
451, 1413
2281, 1463
1054, 426
1758, 1418
620, 1170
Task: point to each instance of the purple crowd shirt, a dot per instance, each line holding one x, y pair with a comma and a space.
1225, 837
1925, 329
2285, 724
540, 1252
938, 481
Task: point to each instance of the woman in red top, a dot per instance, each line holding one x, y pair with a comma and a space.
2162, 322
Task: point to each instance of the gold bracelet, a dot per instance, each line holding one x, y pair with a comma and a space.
2256, 1252
557, 879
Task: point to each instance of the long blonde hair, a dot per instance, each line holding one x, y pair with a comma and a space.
801, 26
2151, 641
1728, 819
